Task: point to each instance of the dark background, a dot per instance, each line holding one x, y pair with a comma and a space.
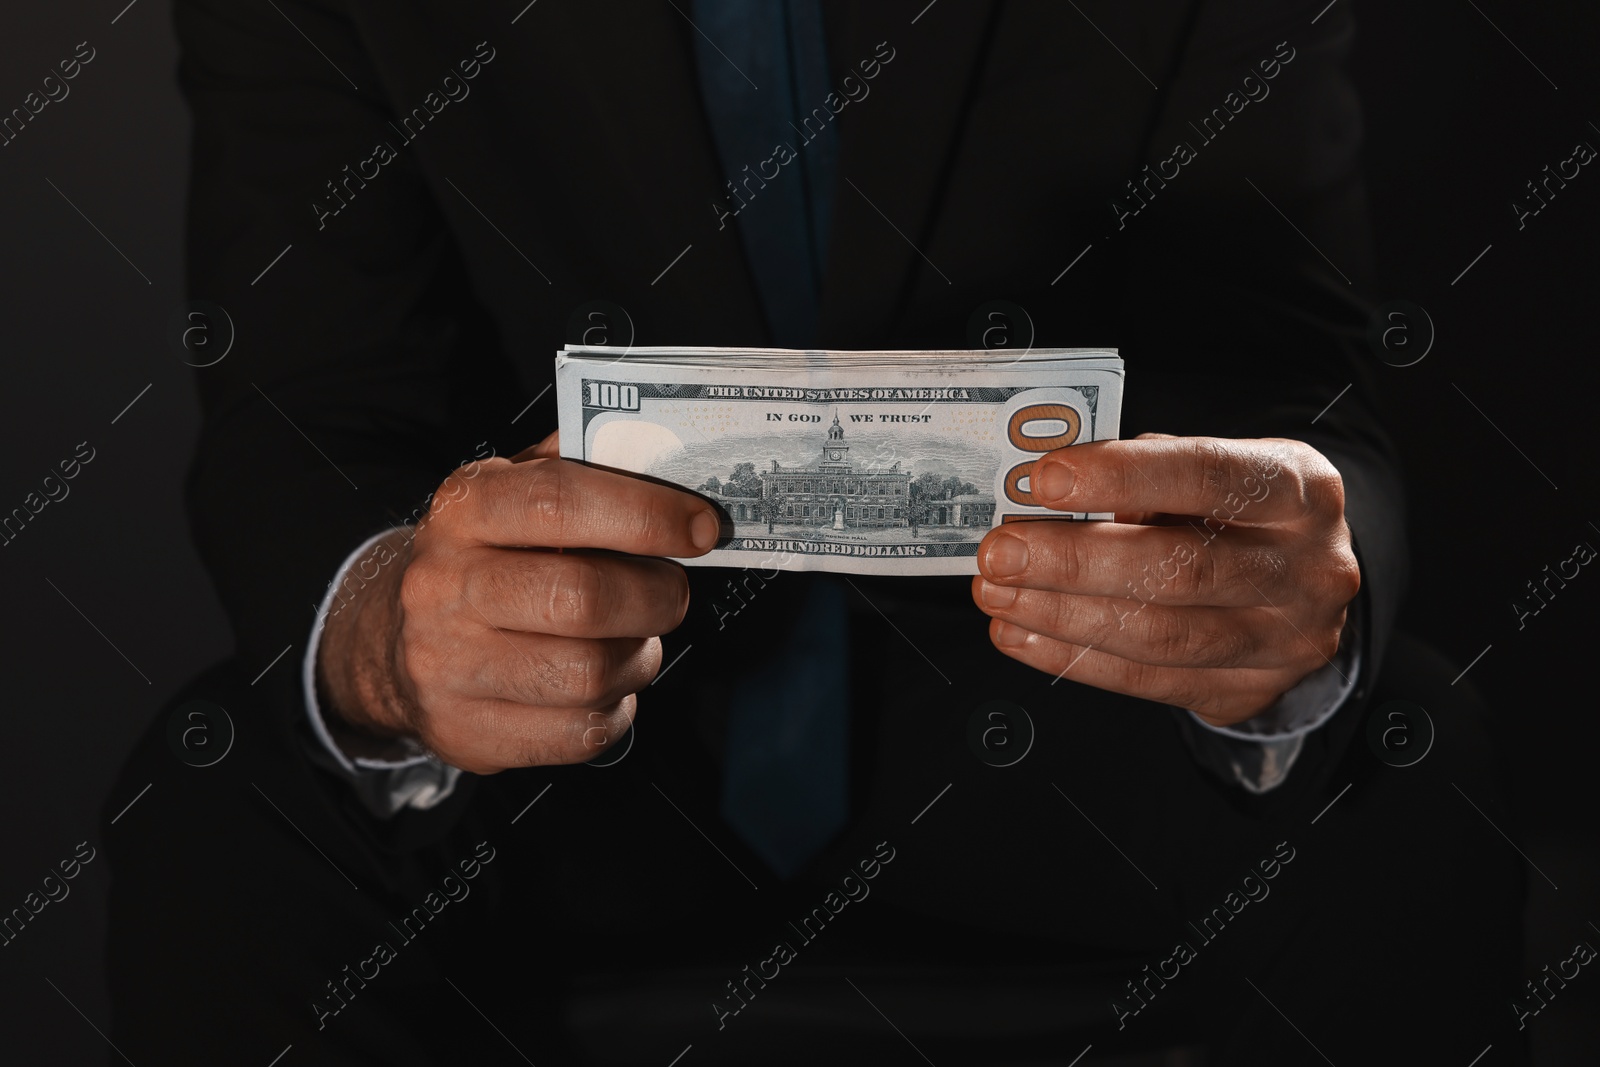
108, 612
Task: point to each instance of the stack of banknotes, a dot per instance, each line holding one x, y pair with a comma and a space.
853, 462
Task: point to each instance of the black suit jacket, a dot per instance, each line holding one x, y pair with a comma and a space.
1003, 141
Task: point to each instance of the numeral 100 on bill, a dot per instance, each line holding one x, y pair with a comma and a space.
612, 396
1070, 424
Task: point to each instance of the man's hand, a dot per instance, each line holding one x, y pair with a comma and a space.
492, 642
1223, 582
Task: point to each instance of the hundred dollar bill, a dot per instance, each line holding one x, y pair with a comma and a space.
854, 462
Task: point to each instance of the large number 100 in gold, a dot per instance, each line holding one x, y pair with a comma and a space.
1017, 433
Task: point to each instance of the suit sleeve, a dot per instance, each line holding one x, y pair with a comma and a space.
1246, 258
346, 397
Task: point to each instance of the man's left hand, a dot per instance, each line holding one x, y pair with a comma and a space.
1223, 582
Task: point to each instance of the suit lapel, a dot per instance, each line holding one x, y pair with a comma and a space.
894, 150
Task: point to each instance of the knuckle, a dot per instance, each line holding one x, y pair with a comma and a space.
1215, 464
1304, 655
1338, 580
1200, 579
578, 674
573, 596
455, 488
1329, 645
1170, 636
1145, 680
656, 522
1315, 654
1293, 480
493, 585
1311, 480
1212, 646
1210, 465
1061, 616
1263, 567
1076, 621
420, 587
1311, 650
542, 500
1123, 479
1348, 575
1069, 558
439, 511
1331, 637
1324, 486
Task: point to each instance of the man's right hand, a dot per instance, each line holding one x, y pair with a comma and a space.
490, 640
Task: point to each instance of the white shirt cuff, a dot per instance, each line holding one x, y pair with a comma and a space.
1259, 752
415, 777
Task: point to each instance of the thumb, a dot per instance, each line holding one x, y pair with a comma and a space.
549, 448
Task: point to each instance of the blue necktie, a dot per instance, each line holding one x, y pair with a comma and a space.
783, 221
763, 72
786, 786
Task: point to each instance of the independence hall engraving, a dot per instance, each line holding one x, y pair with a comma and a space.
831, 494
834, 496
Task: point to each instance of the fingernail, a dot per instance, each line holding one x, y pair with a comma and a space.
704, 530
1009, 636
997, 596
1007, 555
1053, 480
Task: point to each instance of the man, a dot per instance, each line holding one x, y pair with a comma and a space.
443, 190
